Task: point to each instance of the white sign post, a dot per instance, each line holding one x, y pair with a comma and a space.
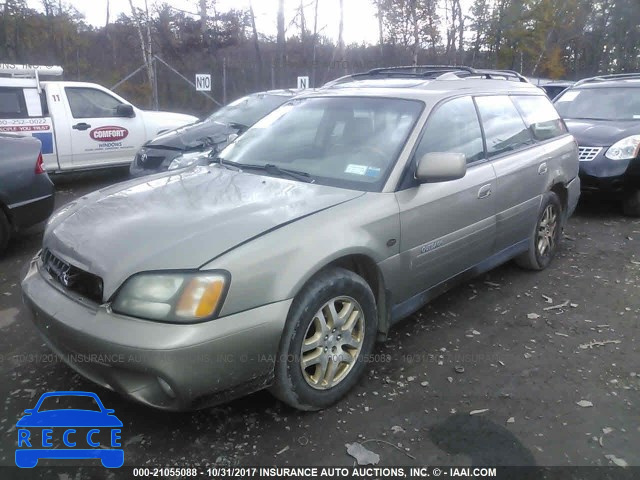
303, 83
203, 82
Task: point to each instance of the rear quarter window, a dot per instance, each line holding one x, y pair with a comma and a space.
504, 128
540, 116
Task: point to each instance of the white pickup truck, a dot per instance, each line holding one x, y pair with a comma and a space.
81, 125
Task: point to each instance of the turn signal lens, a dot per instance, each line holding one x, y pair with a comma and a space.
200, 297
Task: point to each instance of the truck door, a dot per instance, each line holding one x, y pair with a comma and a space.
104, 129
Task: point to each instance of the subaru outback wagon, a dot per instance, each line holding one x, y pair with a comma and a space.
309, 237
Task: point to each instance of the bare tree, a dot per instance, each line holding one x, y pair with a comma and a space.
280, 42
256, 40
315, 44
341, 46
146, 47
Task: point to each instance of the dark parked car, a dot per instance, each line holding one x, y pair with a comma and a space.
26, 193
191, 144
555, 88
603, 114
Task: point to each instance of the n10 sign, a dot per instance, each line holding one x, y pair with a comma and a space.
203, 82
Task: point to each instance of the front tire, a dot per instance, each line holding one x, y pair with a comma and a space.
545, 239
631, 203
330, 330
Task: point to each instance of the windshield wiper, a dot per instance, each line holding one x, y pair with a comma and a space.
228, 164
275, 170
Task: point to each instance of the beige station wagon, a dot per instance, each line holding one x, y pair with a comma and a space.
308, 238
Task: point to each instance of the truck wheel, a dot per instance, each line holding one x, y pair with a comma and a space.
545, 239
631, 204
5, 231
330, 330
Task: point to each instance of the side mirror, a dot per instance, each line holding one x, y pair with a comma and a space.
124, 110
29, 411
441, 167
232, 137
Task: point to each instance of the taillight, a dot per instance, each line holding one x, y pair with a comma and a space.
40, 165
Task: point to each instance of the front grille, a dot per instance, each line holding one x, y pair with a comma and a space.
589, 153
149, 161
73, 278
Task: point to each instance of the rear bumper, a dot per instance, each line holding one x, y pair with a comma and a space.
32, 212
573, 195
202, 364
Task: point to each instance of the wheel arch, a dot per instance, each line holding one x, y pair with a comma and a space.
364, 266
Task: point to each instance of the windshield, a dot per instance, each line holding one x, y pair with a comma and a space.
339, 141
62, 402
615, 103
248, 110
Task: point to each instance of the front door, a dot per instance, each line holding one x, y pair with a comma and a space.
99, 136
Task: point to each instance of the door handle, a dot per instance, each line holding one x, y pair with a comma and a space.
542, 169
81, 126
485, 191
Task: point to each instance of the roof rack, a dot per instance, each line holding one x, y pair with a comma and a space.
430, 72
31, 72
604, 78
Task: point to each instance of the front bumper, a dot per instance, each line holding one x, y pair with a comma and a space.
602, 174
202, 364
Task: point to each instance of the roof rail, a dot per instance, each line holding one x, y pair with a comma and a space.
30, 71
604, 78
429, 72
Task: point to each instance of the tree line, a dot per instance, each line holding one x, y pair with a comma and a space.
540, 38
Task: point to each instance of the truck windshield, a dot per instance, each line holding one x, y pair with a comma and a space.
340, 141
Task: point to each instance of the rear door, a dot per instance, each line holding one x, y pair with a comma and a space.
99, 136
520, 165
448, 227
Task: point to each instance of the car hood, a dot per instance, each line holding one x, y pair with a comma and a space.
69, 418
190, 137
601, 133
178, 221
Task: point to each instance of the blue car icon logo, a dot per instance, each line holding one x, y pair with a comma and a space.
49, 431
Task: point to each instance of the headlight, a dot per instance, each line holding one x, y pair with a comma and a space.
625, 149
187, 159
173, 297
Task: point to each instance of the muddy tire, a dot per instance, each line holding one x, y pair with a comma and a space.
330, 331
545, 239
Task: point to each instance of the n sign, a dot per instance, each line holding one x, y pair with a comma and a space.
203, 82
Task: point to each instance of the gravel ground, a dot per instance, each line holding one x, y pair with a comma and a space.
515, 368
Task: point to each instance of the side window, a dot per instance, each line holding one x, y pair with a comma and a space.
12, 104
504, 128
541, 117
91, 103
453, 127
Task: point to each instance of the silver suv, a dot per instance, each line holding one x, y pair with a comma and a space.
327, 222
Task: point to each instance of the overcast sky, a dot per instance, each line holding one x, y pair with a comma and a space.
360, 24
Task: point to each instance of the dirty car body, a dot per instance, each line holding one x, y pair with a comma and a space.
279, 265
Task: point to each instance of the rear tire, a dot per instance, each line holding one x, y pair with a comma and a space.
5, 231
545, 239
330, 330
631, 203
